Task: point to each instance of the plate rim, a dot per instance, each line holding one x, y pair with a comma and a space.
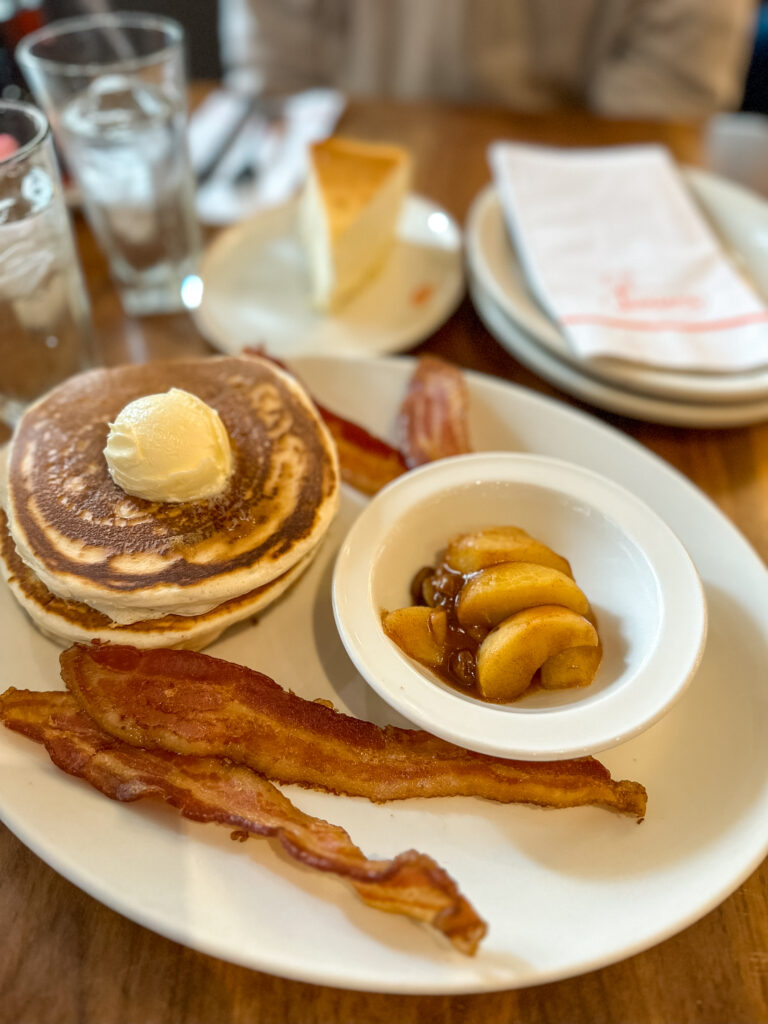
601, 393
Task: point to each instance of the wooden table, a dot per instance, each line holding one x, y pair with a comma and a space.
65, 959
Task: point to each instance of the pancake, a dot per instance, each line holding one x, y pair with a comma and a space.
90, 543
67, 622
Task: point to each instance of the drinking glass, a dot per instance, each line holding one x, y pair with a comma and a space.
45, 324
114, 89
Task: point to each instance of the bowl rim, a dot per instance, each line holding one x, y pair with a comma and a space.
552, 733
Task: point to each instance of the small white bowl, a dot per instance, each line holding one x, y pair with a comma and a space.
636, 574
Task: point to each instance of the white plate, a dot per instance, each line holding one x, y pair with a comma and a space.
256, 288
563, 891
640, 581
564, 374
739, 217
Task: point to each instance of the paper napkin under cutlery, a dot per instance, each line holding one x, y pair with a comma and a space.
266, 162
618, 253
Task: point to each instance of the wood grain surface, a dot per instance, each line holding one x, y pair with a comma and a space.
66, 959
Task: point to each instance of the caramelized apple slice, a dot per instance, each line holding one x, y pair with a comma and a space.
419, 632
510, 655
501, 590
473, 551
576, 666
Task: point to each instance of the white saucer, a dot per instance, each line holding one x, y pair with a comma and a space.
256, 288
570, 378
740, 219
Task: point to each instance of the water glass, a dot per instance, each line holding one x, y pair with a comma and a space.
45, 324
114, 89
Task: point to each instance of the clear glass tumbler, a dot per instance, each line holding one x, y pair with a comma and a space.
114, 89
45, 323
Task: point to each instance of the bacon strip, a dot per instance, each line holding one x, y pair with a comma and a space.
192, 703
206, 789
432, 422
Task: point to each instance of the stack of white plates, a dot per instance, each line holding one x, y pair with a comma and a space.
509, 310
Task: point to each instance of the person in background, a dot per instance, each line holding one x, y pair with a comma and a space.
661, 59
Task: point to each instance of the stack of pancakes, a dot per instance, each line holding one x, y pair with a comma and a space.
89, 562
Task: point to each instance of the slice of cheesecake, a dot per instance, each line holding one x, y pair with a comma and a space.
349, 212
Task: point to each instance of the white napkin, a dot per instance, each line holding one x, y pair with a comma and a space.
267, 162
617, 252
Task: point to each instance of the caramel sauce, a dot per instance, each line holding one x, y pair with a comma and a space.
439, 587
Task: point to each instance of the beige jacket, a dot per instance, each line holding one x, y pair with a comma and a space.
637, 58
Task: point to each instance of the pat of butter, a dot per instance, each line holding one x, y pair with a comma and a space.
169, 447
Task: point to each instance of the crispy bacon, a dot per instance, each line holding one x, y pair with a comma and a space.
192, 703
207, 789
432, 422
